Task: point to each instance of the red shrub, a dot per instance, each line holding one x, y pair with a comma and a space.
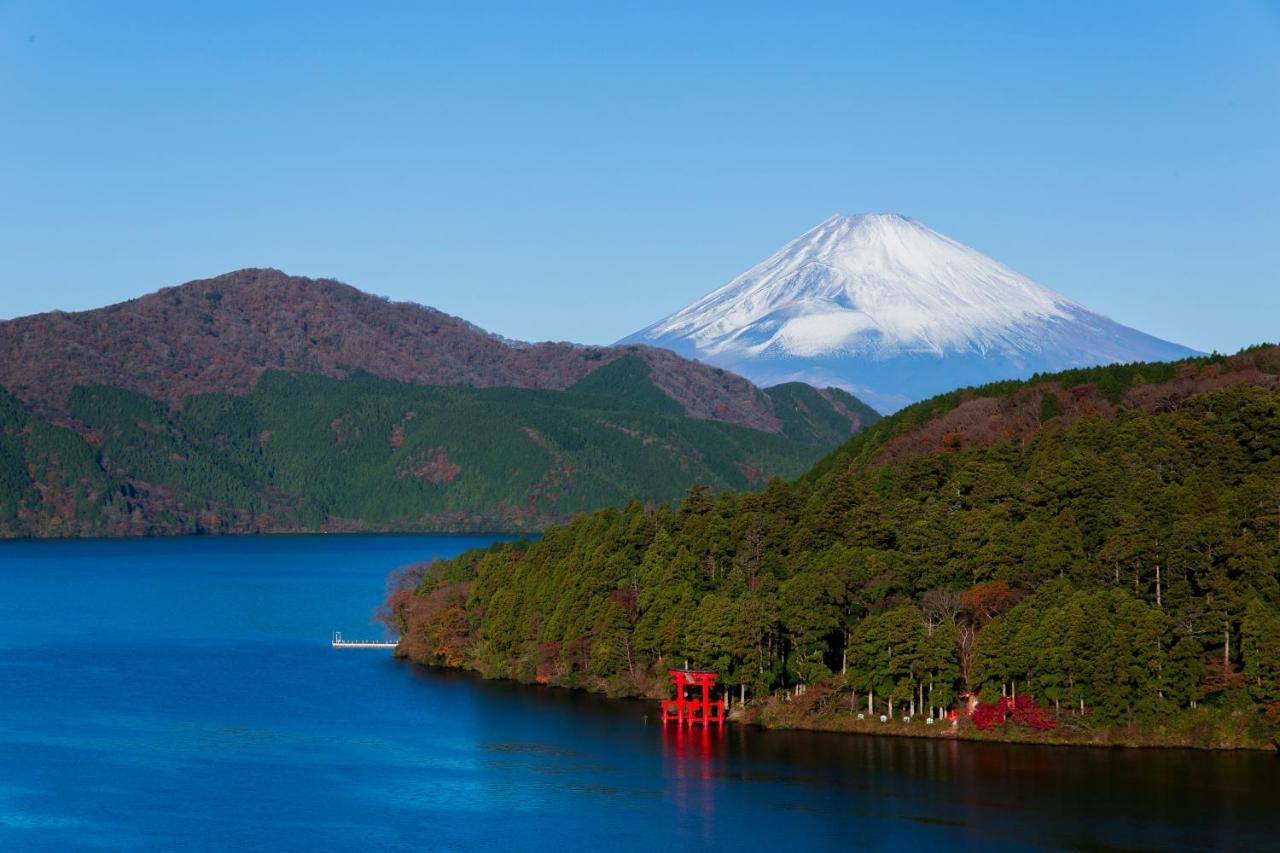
1027, 713
1023, 711
988, 714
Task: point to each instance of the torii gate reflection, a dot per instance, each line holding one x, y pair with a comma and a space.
694, 749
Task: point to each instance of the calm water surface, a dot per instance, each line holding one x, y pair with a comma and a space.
181, 694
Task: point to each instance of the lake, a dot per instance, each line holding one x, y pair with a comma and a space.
181, 694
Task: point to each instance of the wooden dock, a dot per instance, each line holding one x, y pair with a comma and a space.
339, 643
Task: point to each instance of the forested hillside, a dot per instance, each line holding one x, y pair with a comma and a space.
305, 452
1101, 548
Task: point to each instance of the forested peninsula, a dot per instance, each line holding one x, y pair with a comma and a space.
1090, 556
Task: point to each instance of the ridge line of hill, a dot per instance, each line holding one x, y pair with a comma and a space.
218, 335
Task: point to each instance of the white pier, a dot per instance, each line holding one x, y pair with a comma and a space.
339, 643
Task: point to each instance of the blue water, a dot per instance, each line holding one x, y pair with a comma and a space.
181, 694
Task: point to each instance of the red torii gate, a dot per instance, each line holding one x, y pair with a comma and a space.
697, 708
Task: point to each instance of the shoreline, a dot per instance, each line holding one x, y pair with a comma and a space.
897, 729
769, 716
276, 534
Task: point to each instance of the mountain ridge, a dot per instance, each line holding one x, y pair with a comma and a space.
217, 335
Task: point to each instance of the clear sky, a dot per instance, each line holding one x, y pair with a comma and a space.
574, 172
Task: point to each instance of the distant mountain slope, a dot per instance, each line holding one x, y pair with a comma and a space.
895, 312
218, 335
307, 452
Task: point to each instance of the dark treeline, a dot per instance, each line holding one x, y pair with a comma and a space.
1118, 563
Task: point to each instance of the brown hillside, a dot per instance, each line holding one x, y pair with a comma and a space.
220, 334
983, 420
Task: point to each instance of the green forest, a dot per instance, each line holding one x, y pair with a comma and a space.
1104, 544
305, 452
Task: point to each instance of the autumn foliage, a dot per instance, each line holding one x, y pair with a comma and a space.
985, 601
1020, 710
432, 621
989, 714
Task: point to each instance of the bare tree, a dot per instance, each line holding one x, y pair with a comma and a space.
940, 606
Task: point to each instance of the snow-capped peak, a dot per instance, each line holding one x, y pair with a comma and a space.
876, 293
869, 283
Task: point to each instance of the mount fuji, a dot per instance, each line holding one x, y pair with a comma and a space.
894, 312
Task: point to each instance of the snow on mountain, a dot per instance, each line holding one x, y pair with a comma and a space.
893, 311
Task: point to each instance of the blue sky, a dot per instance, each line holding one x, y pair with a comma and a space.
573, 172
